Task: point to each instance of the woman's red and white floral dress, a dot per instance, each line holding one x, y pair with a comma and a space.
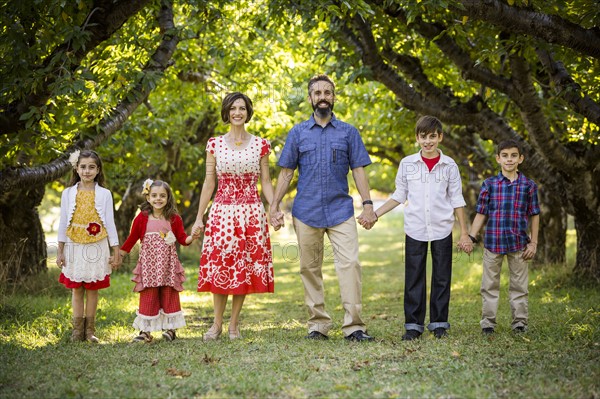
236, 252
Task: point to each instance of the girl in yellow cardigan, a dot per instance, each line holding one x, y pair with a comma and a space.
85, 232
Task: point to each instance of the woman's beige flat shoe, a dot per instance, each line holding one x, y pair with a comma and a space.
213, 333
235, 334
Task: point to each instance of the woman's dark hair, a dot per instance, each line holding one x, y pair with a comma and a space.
89, 154
170, 208
228, 103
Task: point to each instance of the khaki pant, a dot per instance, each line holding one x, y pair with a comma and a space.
517, 291
344, 242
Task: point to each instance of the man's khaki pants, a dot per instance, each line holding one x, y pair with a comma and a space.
517, 291
344, 242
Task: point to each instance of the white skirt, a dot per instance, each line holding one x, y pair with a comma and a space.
87, 262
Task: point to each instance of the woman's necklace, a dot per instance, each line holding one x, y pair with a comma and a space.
238, 142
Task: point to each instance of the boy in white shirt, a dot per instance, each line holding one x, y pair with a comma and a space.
431, 183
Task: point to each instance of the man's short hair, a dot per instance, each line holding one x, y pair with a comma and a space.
319, 78
428, 124
503, 145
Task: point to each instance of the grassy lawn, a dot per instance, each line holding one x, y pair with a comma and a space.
559, 357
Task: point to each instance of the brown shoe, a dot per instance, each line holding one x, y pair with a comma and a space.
169, 335
143, 337
90, 330
78, 333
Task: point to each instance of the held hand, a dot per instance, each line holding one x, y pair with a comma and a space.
465, 244
367, 218
361, 220
116, 260
280, 219
277, 219
197, 229
529, 251
190, 239
60, 259
466, 248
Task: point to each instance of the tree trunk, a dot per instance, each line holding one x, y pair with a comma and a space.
553, 229
24, 246
23, 250
587, 264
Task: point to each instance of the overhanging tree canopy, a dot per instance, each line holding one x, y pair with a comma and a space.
76, 73
492, 71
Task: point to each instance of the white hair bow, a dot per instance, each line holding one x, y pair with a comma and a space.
74, 158
146, 186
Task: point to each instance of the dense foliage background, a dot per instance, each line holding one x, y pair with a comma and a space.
141, 81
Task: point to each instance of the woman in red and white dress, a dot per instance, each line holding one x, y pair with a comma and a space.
236, 252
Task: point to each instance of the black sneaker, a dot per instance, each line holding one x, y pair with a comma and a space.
410, 335
316, 335
440, 332
359, 336
519, 330
487, 331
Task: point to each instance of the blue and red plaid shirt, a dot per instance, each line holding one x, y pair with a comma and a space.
508, 206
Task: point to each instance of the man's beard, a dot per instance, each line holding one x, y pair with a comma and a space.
323, 112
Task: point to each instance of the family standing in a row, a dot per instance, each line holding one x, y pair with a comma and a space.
236, 254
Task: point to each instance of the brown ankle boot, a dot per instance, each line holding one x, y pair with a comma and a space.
78, 329
90, 329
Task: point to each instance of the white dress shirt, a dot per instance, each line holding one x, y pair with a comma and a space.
432, 196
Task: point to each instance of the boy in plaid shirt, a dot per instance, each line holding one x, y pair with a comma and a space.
510, 202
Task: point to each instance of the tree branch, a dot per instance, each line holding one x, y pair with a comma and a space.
550, 28
434, 32
474, 113
449, 109
568, 89
367, 48
11, 178
468, 67
533, 115
105, 18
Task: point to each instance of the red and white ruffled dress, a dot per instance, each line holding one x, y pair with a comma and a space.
236, 254
158, 266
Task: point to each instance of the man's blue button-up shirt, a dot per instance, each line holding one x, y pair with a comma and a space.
323, 156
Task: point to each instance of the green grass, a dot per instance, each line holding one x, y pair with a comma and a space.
559, 357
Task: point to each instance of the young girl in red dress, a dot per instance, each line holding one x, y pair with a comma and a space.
158, 275
85, 231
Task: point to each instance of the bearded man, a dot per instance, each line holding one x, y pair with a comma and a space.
324, 149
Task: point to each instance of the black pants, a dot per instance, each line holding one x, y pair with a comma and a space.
415, 288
